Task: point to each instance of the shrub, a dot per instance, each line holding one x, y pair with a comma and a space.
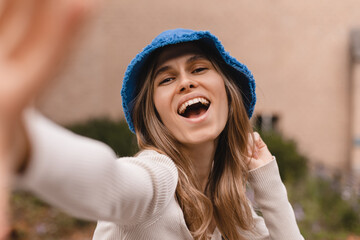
292, 165
115, 134
324, 214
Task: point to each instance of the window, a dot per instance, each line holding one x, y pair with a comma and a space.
266, 122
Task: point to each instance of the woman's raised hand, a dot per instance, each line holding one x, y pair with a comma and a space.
258, 152
34, 37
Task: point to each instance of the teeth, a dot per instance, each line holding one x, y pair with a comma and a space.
190, 102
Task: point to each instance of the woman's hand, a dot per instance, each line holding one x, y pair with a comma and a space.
34, 37
258, 152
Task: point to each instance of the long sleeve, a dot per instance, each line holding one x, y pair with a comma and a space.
271, 197
84, 178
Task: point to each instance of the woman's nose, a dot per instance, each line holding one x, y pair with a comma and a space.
186, 84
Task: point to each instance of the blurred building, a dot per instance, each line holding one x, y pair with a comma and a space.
300, 52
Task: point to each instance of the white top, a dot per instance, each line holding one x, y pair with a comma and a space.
133, 197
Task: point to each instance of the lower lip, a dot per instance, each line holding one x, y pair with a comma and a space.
198, 119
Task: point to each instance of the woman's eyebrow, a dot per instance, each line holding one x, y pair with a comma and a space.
196, 57
161, 70
188, 61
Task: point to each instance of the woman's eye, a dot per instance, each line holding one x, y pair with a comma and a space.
166, 80
198, 70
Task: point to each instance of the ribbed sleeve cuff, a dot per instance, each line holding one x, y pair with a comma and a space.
265, 176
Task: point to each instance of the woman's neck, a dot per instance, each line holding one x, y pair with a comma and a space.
202, 156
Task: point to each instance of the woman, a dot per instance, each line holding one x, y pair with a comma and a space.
189, 103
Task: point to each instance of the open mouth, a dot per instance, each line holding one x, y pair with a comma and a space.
194, 107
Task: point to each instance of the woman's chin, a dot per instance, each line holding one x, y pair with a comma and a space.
198, 139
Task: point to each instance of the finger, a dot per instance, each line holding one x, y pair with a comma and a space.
40, 14
258, 141
26, 72
256, 136
12, 22
50, 41
13, 34
260, 145
3, 6
262, 149
255, 145
6, 9
55, 28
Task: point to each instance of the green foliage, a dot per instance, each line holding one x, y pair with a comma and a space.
292, 165
324, 214
115, 134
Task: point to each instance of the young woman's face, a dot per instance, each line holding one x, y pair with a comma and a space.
189, 95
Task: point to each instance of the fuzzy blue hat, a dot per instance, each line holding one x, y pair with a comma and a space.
240, 72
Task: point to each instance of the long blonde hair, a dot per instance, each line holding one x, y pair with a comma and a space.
224, 197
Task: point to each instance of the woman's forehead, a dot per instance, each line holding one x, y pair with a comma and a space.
174, 51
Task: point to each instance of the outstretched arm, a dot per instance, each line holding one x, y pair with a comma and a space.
84, 178
76, 174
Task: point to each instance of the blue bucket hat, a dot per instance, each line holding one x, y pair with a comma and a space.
239, 71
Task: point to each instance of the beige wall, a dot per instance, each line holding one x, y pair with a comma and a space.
355, 116
298, 52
